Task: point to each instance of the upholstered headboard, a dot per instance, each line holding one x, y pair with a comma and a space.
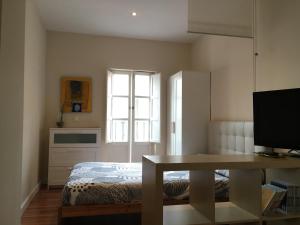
228, 137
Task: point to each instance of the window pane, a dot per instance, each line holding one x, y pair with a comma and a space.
120, 131
120, 107
141, 129
120, 84
155, 110
142, 85
142, 106
155, 86
155, 131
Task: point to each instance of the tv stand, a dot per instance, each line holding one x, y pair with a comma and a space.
270, 154
295, 153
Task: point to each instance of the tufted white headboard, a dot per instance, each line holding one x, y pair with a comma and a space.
228, 137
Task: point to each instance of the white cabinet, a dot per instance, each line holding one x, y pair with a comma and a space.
188, 112
69, 146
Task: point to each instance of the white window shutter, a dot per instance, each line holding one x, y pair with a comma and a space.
108, 108
155, 109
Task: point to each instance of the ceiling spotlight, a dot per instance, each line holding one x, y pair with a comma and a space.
133, 14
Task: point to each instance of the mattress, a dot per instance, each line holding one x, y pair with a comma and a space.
100, 183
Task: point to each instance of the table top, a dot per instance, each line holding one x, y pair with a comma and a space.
208, 161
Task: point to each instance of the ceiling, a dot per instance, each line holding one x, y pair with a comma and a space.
165, 20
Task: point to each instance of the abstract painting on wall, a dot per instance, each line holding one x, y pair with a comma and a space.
76, 94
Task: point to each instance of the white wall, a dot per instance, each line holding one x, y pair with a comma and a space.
278, 44
71, 54
11, 119
34, 99
230, 61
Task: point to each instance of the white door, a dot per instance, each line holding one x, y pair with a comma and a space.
141, 96
133, 111
176, 115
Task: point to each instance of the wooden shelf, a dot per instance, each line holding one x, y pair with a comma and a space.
244, 193
228, 212
182, 215
204, 161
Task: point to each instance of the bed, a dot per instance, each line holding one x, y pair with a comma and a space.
95, 183
115, 188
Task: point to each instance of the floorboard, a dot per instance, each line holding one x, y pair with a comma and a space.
43, 210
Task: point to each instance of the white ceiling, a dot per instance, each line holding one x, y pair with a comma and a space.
165, 20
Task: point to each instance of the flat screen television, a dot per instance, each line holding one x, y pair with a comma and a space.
277, 118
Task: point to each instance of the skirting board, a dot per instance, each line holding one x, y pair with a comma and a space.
29, 198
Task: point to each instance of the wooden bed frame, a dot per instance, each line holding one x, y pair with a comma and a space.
107, 209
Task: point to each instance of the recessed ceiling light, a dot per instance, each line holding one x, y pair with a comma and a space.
133, 14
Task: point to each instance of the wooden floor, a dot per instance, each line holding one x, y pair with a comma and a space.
43, 209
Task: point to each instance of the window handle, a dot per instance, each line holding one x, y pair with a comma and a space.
173, 127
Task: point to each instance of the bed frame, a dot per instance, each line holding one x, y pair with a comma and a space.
224, 138
108, 209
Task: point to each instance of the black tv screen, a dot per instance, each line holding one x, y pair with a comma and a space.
277, 118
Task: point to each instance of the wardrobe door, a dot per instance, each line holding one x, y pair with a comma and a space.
176, 115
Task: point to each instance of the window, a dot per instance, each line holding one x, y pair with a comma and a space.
133, 107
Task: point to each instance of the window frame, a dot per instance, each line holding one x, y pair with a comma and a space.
109, 98
134, 96
132, 107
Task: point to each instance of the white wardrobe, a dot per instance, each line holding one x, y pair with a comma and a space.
188, 112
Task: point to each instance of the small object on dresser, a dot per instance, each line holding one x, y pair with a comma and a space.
272, 197
60, 118
60, 124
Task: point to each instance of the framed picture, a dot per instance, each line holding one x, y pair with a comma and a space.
76, 94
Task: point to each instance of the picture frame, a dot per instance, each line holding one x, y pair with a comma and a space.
76, 94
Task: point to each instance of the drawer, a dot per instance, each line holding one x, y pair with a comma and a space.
72, 137
58, 175
69, 157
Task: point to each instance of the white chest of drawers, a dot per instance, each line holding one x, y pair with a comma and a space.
69, 146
